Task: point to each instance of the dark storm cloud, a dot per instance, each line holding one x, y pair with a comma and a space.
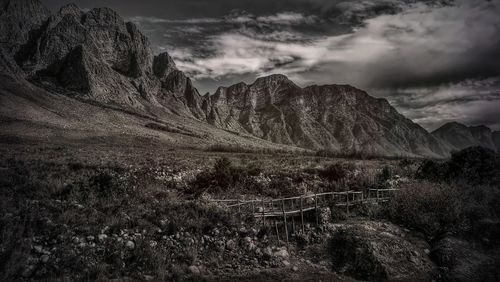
473, 102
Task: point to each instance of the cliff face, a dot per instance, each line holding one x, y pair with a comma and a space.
96, 55
335, 117
19, 19
457, 136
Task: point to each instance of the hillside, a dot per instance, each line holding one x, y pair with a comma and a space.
92, 72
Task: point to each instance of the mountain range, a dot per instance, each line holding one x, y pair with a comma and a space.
82, 75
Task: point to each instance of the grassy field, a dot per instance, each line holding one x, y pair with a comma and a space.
136, 210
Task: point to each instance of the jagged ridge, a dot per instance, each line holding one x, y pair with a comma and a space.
335, 117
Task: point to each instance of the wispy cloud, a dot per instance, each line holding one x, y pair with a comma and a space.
420, 45
285, 18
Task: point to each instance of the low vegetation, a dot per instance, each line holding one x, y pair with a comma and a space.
454, 196
80, 218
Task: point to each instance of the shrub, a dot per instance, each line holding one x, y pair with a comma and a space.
334, 172
428, 207
474, 165
384, 175
431, 170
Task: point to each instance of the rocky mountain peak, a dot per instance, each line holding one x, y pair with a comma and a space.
70, 9
163, 65
457, 136
18, 18
272, 78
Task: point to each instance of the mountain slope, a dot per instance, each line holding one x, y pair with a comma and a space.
96, 60
96, 55
335, 117
457, 136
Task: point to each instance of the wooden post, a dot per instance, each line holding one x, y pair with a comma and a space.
316, 209
302, 213
293, 216
263, 213
347, 203
253, 207
277, 232
284, 218
239, 207
377, 195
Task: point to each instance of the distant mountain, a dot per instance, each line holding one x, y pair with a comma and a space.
92, 72
340, 118
457, 136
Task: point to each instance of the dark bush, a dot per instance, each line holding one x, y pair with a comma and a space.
384, 175
334, 172
474, 165
223, 177
432, 170
428, 207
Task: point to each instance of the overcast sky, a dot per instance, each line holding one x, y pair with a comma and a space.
435, 61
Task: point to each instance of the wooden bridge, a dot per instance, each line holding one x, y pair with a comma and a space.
282, 209
293, 206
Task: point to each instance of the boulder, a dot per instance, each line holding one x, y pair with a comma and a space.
379, 251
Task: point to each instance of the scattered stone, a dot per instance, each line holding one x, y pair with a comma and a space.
102, 237
295, 268
45, 258
193, 269
28, 271
230, 245
282, 254
130, 245
286, 263
38, 249
268, 251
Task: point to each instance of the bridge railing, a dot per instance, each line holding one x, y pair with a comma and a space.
275, 206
